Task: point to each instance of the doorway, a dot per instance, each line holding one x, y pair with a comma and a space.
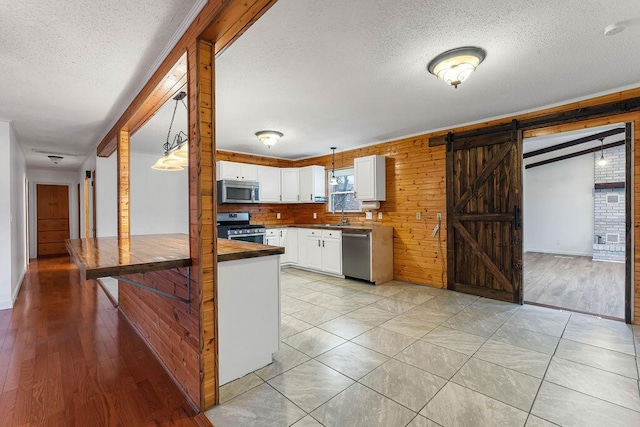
52, 225
576, 208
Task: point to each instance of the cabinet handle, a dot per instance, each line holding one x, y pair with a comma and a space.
311, 197
298, 197
280, 233
318, 242
323, 243
281, 197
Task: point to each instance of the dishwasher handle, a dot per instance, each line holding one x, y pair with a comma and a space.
364, 236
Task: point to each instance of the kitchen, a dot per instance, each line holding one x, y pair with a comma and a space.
414, 202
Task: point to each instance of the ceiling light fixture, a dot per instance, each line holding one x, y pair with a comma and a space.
269, 137
455, 65
176, 153
55, 159
333, 180
602, 161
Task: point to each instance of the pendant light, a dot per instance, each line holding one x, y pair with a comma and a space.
176, 153
602, 161
333, 180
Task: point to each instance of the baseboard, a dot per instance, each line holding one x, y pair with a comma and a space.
15, 293
545, 251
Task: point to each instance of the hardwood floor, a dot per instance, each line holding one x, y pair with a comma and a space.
68, 357
575, 283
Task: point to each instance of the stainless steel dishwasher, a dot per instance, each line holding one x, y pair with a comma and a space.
356, 254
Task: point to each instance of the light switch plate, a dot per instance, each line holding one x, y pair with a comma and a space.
315, 215
439, 216
368, 215
278, 215
379, 215
418, 215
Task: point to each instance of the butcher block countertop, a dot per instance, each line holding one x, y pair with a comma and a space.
362, 227
111, 256
230, 250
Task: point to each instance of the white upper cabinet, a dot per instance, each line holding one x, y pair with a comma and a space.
236, 171
290, 184
269, 179
312, 183
370, 180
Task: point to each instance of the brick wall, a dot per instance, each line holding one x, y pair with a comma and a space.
609, 217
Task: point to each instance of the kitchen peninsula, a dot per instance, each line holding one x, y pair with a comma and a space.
248, 288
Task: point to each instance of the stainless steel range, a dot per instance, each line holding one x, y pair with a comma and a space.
235, 226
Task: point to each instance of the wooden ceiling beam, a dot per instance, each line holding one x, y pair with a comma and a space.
221, 22
576, 154
583, 140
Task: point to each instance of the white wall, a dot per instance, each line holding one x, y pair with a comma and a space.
558, 207
5, 216
51, 176
107, 195
159, 200
18, 215
13, 261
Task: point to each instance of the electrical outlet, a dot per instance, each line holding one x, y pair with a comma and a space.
368, 215
278, 215
439, 216
418, 215
379, 215
315, 215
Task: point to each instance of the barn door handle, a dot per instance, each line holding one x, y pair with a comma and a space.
516, 220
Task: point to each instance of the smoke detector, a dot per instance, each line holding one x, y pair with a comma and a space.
613, 29
55, 159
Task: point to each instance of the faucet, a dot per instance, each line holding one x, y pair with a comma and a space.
343, 221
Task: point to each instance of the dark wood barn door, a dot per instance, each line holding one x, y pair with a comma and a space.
484, 200
53, 219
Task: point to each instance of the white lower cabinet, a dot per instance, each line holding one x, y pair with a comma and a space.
311, 248
332, 251
322, 251
287, 238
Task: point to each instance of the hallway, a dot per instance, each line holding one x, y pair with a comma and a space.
68, 357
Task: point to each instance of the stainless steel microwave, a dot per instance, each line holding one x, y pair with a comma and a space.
238, 191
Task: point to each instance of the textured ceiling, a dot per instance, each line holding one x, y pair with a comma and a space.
350, 73
70, 68
325, 73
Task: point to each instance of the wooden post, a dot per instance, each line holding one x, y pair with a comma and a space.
202, 210
123, 183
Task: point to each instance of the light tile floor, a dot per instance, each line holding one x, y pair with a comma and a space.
354, 354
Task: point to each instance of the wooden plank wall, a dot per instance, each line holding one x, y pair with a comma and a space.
171, 332
415, 175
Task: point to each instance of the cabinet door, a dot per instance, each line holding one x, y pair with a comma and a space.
332, 256
306, 184
314, 252
289, 239
248, 172
302, 247
290, 185
364, 171
312, 183
228, 170
269, 179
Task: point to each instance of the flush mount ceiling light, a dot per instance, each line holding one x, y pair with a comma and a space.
176, 154
333, 180
269, 137
602, 161
455, 65
55, 159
